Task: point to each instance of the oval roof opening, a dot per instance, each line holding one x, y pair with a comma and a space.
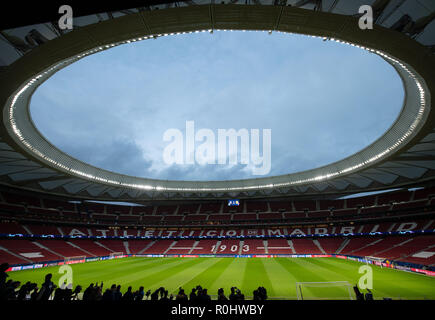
129, 108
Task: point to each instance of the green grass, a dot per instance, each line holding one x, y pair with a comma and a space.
277, 275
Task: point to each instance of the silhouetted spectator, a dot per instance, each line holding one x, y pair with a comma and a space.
240, 295
263, 293
181, 296
67, 292
35, 293
109, 294
221, 295
75, 294
97, 294
29, 291
164, 296
3, 274
233, 296
11, 290
236, 294
118, 294
128, 296
204, 297
369, 295
192, 295
59, 293
148, 293
138, 295
358, 294
46, 289
260, 294
87, 294
24, 291
155, 295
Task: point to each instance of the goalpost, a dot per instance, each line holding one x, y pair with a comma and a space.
115, 255
76, 259
376, 260
301, 285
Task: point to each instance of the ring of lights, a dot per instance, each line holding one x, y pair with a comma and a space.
32, 70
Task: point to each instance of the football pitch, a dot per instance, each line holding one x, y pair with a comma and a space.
278, 275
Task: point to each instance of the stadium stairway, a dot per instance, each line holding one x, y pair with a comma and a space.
158, 247
27, 229
87, 253
316, 242
195, 244
126, 247
382, 245
292, 248
303, 246
146, 247
170, 247
410, 257
63, 247
181, 247
206, 247
379, 253
114, 245
343, 245
30, 250
253, 246
8, 255
241, 247
330, 246
92, 247
358, 244
218, 244
48, 249
60, 231
103, 246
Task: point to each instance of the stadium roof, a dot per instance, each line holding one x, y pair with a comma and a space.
403, 156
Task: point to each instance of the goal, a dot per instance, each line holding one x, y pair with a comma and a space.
115, 255
375, 260
331, 290
76, 259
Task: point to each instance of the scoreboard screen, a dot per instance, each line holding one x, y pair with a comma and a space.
234, 202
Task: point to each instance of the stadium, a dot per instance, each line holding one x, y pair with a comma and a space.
362, 224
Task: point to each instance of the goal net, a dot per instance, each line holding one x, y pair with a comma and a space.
76, 259
375, 260
114, 255
332, 290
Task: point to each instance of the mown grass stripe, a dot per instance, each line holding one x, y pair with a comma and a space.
139, 271
154, 274
110, 266
256, 276
282, 280
233, 275
208, 277
152, 281
174, 282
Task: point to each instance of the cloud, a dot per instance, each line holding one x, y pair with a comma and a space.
120, 155
323, 101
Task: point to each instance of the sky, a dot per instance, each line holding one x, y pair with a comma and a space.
321, 100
